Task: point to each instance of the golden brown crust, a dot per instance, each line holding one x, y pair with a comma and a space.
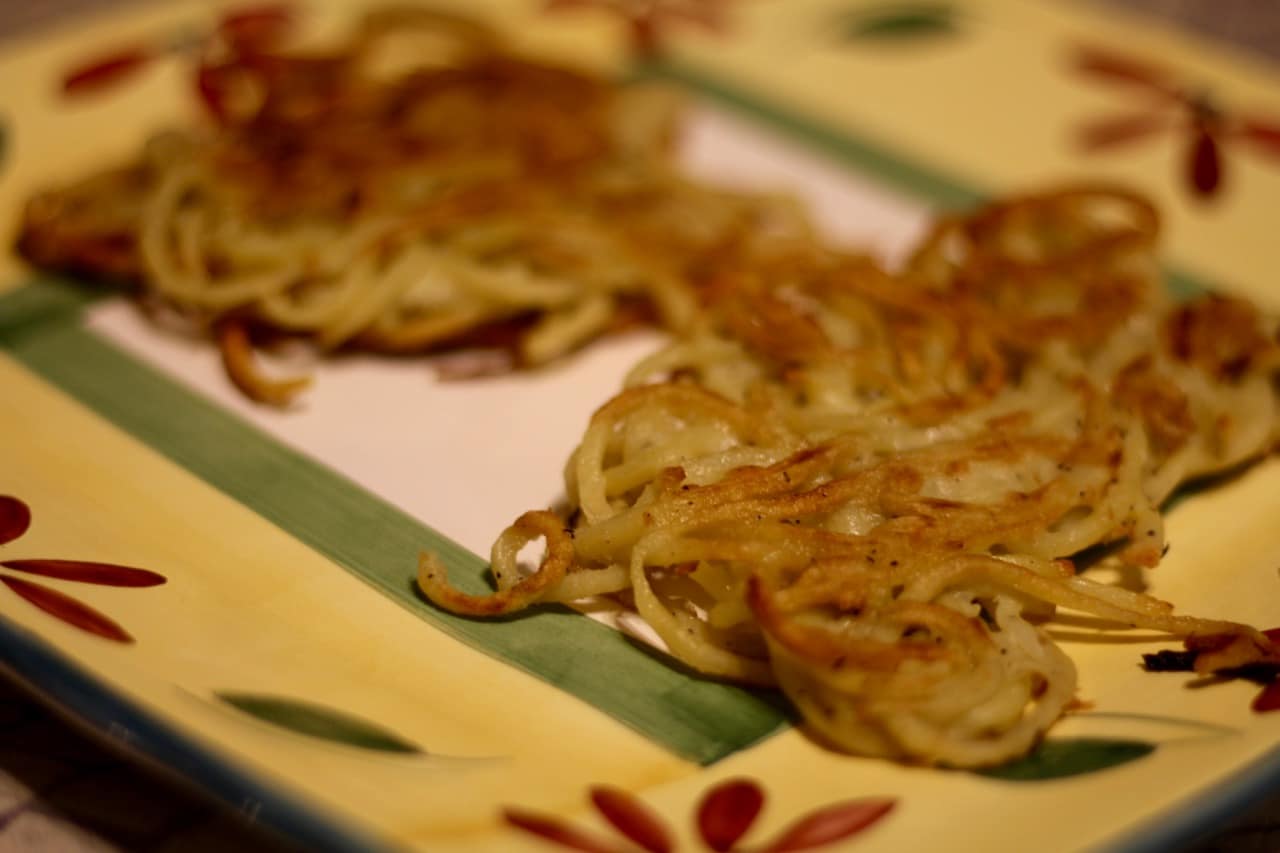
868, 487
242, 367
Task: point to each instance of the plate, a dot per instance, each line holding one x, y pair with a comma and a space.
277, 654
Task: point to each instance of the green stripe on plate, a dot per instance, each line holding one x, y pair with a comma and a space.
858, 152
698, 719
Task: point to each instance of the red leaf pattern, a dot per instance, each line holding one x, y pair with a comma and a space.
257, 27
15, 518
1205, 165
103, 574
106, 71
829, 824
1264, 136
1184, 107
1113, 67
724, 815
648, 21
212, 84
68, 609
727, 812
556, 831
1269, 698
1117, 130
632, 818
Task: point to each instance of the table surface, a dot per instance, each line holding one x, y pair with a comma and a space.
61, 790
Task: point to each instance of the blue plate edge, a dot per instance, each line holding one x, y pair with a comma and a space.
124, 727
1182, 825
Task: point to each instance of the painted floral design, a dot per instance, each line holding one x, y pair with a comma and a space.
220, 55
1162, 102
648, 22
1268, 699
729, 809
723, 817
15, 519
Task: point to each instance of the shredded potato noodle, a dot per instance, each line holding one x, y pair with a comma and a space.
867, 487
474, 198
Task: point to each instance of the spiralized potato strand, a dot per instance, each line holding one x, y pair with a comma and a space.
929, 449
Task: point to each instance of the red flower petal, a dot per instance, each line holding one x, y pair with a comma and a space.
647, 24
68, 609
104, 574
1112, 67
213, 83
556, 831
1117, 130
15, 518
1269, 698
1264, 136
632, 818
1204, 165
105, 71
257, 27
831, 824
646, 37
727, 812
